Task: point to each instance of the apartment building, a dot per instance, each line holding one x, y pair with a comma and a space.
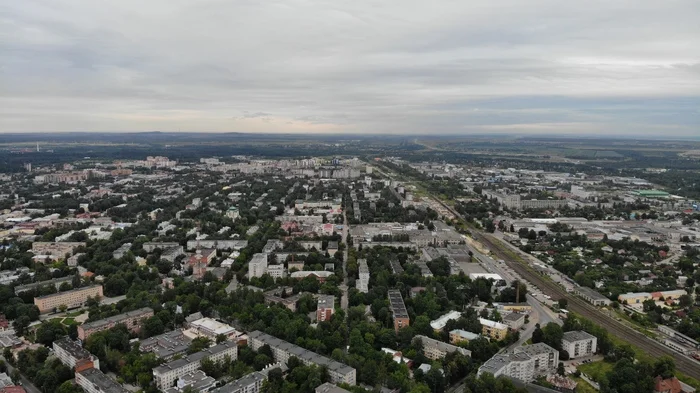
325, 308
330, 388
434, 349
251, 383
283, 350
514, 320
276, 271
212, 328
257, 266
398, 310
71, 299
167, 345
525, 363
121, 251
133, 320
151, 246
579, 344
440, 323
457, 336
363, 276
197, 381
166, 374
492, 329
56, 283
55, 249
74, 356
94, 381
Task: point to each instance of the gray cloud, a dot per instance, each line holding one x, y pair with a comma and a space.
628, 67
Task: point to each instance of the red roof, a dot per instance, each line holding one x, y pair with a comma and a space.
671, 385
13, 389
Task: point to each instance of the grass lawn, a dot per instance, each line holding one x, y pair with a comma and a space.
595, 370
69, 321
583, 386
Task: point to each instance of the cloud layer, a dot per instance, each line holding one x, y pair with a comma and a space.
366, 66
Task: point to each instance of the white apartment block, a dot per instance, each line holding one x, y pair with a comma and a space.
257, 266
579, 343
525, 363
276, 271
363, 277
94, 381
166, 374
434, 349
70, 353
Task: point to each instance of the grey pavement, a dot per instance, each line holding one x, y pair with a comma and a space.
26, 383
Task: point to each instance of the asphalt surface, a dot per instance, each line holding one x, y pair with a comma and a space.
26, 384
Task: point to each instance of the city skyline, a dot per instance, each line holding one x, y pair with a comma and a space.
624, 69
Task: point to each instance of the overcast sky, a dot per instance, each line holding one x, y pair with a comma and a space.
386, 66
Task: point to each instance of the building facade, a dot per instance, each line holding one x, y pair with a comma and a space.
94, 381
325, 308
492, 329
166, 374
434, 349
257, 266
363, 276
74, 356
133, 320
398, 310
579, 344
71, 299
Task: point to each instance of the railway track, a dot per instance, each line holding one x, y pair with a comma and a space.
686, 365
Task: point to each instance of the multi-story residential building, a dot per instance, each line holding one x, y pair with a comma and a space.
398, 310
93, 380
579, 343
197, 381
133, 320
434, 349
363, 276
251, 383
325, 308
166, 374
71, 299
167, 345
330, 388
440, 323
525, 363
283, 350
217, 244
121, 251
56, 283
495, 330
457, 336
74, 356
55, 249
514, 320
257, 266
151, 246
276, 271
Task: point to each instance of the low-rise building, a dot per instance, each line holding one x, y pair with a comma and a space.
579, 344
492, 329
514, 320
441, 322
55, 249
133, 320
166, 374
457, 336
592, 296
196, 381
363, 276
121, 251
212, 328
93, 380
434, 349
330, 388
74, 356
525, 363
71, 299
283, 350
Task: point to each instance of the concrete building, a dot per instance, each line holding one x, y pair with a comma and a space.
525, 363
56, 283
212, 328
440, 323
514, 320
74, 356
579, 344
398, 310
492, 329
166, 374
634, 298
121, 251
197, 381
167, 345
276, 271
250, 383
71, 299
151, 246
363, 276
55, 249
133, 320
257, 266
282, 351
434, 349
330, 388
458, 336
325, 308
93, 380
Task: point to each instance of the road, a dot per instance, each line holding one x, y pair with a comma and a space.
521, 266
344, 287
26, 384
